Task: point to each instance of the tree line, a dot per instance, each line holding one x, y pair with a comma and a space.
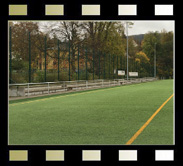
101, 46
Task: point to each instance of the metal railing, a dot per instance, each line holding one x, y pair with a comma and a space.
31, 89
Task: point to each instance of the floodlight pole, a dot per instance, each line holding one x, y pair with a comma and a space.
155, 60
127, 46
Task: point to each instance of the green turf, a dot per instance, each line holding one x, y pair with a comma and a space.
105, 116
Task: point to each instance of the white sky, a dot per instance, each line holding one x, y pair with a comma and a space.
142, 27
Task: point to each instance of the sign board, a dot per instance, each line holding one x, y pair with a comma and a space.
121, 72
133, 74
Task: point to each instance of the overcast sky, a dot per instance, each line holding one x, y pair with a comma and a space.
142, 27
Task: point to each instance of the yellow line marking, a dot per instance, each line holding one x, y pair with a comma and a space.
93, 91
148, 121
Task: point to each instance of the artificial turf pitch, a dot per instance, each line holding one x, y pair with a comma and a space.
109, 116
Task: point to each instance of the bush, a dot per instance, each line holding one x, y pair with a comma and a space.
38, 76
63, 76
51, 77
19, 77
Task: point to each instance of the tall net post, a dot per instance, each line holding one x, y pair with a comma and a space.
113, 67
109, 65
45, 39
69, 63
86, 63
58, 42
117, 68
10, 53
78, 61
104, 65
29, 58
99, 65
93, 63
127, 49
121, 64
